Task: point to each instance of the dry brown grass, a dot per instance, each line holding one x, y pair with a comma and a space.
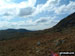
29, 47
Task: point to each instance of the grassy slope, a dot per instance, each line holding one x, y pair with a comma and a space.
29, 47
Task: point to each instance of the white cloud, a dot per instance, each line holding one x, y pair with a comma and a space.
42, 21
24, 12
24, 4
29, 10
9, 7
53, 5
12, 8
32, 2
48, 6
4, 24
63, 9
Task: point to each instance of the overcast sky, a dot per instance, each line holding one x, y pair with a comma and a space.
33, 14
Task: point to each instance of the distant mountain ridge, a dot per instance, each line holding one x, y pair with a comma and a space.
12, 33
18, 30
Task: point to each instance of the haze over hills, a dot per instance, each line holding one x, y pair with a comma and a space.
61, 37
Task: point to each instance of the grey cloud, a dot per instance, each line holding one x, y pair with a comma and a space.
45, 20
6, 14
26, 11
42, 20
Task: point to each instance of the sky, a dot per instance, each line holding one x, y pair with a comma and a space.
33, 14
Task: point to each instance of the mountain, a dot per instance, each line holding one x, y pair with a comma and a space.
18, 30
67, 22
12, 33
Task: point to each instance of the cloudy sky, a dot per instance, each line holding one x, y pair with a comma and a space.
33, 14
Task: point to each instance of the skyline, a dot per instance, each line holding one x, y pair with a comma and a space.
33, 14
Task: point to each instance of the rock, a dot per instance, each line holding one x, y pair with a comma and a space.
37, 51
59, 42
38, 43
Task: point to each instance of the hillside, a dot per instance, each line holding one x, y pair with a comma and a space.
67, 22
59, 38
13, 33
